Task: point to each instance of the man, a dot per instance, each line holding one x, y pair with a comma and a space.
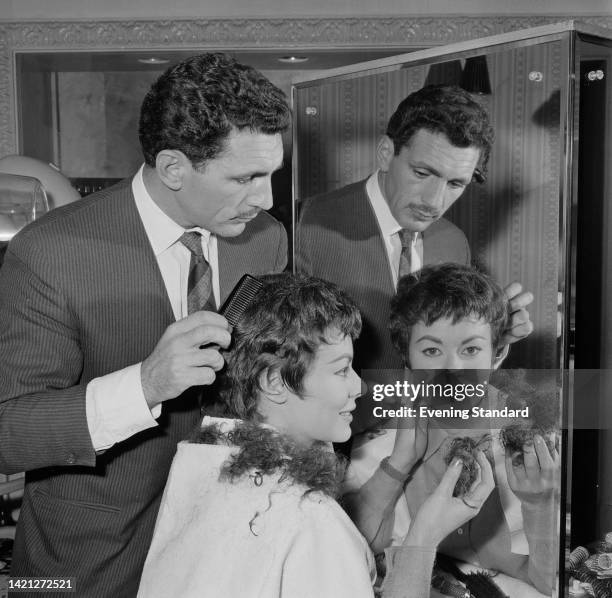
363, 236
102, 326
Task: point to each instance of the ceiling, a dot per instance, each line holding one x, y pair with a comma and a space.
129, 60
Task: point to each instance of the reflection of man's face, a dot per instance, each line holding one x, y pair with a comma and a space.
425, 178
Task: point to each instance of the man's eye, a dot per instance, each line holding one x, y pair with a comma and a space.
421, 174
343, 371
456, 185
432, 351
243, 181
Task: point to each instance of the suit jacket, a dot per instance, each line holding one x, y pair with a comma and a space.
338, 239
81, 296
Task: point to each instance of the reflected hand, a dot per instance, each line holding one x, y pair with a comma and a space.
442, 513
535, 480
520, 325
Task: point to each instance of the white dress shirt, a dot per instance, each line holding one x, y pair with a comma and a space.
390, 229
115, 404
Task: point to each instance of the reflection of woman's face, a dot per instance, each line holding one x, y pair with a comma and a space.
458, 356
444, 345
322, 411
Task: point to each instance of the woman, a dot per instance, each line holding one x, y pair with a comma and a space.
249, 508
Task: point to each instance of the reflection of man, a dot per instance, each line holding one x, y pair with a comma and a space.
100, 328
365, 234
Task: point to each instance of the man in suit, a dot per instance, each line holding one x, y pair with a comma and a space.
365, 235
102, 329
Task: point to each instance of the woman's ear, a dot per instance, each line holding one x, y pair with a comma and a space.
500, 355
272, 397
272, 384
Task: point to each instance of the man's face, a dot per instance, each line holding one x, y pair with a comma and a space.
231, 189
425, 178
322, 411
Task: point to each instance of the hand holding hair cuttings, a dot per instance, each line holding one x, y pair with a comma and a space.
535, 478
466, 449
442, 513
410, 445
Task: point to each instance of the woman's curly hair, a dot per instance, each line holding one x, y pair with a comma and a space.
287, 321
264, 451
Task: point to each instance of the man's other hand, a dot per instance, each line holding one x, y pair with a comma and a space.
520, 326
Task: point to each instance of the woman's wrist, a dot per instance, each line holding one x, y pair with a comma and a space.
421, 534
396, 468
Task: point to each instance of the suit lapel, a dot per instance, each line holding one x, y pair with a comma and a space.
367, 221
433, 247
142, 268
227, 256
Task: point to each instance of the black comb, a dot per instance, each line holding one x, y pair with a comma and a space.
479, 584
240, 298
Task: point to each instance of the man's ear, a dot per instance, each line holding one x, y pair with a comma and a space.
500, 355
385, 150
171, 167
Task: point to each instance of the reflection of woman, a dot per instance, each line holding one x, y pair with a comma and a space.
249, 509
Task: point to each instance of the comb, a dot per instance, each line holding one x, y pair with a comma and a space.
240, 298
479, 584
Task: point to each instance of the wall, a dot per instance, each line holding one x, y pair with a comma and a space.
97, 120
146, 9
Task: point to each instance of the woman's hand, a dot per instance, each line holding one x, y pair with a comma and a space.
410, 445
537, 477
442, 513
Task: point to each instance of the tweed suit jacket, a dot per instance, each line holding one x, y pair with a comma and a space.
338, 239
81, 296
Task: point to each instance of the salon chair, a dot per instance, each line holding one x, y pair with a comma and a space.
28, 188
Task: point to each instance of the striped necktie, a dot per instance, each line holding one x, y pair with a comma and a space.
199, 285
405, 263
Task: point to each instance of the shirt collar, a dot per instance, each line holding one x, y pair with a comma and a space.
386, 221
162, 231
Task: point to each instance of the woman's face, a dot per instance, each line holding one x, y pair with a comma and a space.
322, 411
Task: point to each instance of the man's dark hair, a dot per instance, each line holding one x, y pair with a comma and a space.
195, 104
444, 109
451, 291
288, 320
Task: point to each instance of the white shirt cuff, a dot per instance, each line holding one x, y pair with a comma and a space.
116, 407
